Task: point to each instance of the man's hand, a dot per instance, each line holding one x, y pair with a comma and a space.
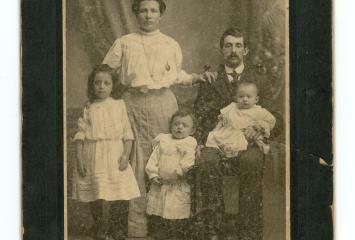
123, 164
250, 133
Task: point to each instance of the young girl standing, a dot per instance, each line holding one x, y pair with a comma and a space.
104, 140
169, 198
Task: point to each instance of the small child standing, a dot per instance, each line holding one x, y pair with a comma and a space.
169, 199
237, 118
104, 140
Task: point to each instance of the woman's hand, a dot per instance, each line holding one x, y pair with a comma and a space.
123, 163
209, 77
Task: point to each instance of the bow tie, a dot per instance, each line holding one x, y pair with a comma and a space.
235, 76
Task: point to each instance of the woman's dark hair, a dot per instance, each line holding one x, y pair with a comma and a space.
183, 113
117, 88
136, 3
235, 32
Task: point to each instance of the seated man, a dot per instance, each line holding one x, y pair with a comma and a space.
248, 164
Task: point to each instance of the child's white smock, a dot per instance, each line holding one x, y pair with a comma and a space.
103, 128
228, 134
170, 160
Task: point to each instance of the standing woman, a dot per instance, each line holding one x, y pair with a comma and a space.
148, 63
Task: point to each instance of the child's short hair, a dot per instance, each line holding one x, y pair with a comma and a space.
247, 83
183, 113
117, 88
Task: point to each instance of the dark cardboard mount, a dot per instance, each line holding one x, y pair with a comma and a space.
311, 119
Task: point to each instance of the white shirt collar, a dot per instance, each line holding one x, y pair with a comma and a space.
238, 69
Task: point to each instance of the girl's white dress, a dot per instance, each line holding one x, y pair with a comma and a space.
171, 158
103, 128
228, 135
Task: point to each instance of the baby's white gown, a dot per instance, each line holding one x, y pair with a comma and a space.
228, 135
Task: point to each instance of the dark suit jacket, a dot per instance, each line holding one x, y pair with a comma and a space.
212, 97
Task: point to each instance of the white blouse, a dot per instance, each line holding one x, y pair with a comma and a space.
152, 60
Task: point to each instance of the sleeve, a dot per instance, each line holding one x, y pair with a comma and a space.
224, 117
188, 159
127, 129
114, 55
228, 108
156, 140
221, 122
152, 167
83, 125
182, 76
267, 123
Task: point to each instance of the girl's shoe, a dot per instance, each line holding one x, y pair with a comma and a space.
214, 237
101, 236
118, 235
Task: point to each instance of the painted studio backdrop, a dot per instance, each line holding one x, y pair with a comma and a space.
92, 26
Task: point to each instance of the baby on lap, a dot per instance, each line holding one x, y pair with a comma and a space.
236, 118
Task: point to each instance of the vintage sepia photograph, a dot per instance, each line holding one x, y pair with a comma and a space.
176, 119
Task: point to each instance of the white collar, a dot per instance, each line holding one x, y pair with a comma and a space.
238, 69
155, 32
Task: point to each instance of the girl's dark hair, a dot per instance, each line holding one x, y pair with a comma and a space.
136, 3
183, 113
117, 88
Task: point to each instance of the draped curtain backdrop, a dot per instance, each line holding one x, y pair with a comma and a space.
92, 26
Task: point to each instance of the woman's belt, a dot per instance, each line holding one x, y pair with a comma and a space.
144, 90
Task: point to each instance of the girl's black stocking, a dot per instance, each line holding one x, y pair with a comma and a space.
118, 219
96, 212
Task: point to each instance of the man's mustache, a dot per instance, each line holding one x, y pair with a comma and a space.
233, 55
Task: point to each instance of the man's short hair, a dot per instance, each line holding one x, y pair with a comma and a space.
235, 32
